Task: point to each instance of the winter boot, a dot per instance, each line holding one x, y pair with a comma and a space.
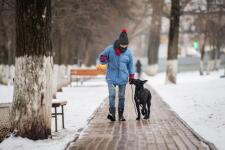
120, 114
111, 116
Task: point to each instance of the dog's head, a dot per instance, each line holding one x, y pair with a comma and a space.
139, 84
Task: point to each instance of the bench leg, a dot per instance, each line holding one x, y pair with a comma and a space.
62, 117
82, 81
55, 119
70, 80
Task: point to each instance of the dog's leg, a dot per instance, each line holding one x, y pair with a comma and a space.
146, 113
138, 111
142, 109
148, 107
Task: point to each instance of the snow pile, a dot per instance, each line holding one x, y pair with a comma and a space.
199, 100
82, 101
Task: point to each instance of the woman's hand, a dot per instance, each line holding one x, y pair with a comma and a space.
103, 59
131, 77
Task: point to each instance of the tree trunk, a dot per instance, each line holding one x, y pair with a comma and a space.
3, 48
214, 58
32, 99
201, 70
55, 80
57, 42
82, 50
217, 58
210, 62
154, 39
4, 74
87, 53
219, 42
171, 69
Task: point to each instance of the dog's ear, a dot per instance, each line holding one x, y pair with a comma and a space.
144, 81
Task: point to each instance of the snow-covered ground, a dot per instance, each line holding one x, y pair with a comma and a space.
6, 94
82, 101
199, 100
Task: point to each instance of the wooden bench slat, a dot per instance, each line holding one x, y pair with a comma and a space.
87, 72
57, 104
84, 72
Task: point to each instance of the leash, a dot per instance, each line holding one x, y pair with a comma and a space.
133, 99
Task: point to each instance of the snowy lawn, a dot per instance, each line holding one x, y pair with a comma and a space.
82, 101
6, 94
199, 100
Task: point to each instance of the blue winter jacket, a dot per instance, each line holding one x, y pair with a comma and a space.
118, 67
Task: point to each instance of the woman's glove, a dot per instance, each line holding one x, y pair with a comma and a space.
103, 58
131, 77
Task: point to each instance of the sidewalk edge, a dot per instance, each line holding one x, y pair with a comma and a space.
200, 138
88, 121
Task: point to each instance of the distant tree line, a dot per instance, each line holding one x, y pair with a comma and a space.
80, 28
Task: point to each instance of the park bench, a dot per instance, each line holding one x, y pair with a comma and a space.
55, 105
82, 74
5, 110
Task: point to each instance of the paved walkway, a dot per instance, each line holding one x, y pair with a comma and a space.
163, 131
4, 120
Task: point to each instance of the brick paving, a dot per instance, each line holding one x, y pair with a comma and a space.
164, 130
4, 120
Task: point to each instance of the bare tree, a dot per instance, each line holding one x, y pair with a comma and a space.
87, 27
171, 69
3, 46
160, 9
155, 33
216, 32
209, 20
6, 39
73, 22
201, 24
31, 108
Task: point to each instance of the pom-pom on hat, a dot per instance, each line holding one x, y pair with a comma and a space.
123, 39
124, 30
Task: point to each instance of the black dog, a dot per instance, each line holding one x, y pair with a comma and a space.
142, 98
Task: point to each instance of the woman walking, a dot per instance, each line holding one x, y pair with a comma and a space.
120, 70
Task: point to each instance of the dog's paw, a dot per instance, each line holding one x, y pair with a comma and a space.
138, 118
146, 117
